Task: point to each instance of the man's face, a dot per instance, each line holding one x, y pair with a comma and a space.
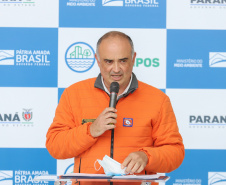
116, 61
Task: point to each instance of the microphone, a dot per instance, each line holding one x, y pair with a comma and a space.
114, 88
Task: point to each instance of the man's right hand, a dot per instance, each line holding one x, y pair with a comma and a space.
101, 124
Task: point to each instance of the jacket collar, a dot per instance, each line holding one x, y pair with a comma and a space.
133, 86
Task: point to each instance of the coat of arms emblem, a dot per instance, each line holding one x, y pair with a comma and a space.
27, 114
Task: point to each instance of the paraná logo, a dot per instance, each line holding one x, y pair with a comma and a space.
14, 118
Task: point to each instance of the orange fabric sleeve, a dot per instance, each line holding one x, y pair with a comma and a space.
66, 137
167, 153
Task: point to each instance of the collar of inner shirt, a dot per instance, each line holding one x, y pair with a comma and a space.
120, 95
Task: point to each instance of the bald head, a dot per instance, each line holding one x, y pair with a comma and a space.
115, 57
112, 35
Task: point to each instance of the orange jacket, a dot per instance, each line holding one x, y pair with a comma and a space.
154, 128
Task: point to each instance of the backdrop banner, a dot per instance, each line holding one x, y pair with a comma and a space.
180, 49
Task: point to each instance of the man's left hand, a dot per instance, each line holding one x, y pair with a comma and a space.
135, 162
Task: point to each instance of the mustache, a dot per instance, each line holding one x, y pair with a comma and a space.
113, 73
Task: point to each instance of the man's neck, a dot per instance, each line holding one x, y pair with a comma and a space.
121, 90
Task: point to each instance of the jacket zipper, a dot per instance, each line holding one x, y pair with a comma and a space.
79, 165
79, 169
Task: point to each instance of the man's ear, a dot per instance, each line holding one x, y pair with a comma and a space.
134, 57
97, 59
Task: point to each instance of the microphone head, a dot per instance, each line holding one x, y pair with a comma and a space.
114, 87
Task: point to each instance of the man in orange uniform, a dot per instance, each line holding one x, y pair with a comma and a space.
146, 139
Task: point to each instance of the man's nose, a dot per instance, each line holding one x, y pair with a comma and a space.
116, 67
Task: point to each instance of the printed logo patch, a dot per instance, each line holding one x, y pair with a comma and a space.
87, 120
127, 122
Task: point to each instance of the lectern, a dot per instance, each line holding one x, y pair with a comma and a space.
72, 178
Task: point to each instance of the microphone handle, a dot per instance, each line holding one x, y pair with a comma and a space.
113, 99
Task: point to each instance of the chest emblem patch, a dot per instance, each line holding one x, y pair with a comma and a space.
127, 122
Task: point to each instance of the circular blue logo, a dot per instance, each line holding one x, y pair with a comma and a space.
80, 57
